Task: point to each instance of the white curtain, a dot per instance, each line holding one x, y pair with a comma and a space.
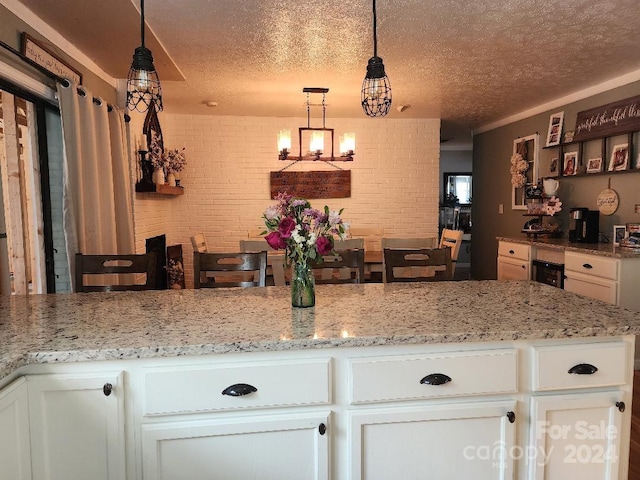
97, 202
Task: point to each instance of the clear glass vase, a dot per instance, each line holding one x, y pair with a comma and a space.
303, 286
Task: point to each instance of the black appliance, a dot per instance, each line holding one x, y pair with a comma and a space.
549, 273
584, 225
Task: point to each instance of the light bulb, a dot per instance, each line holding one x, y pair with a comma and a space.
317, 142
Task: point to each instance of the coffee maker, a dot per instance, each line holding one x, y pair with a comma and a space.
584, 225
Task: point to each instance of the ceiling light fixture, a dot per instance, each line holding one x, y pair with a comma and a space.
376, 88
143, 84
316, 145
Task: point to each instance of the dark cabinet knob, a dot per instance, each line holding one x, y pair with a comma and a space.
583, 369
511, 416
322, 428
587, 266
435, 379
107, 388
239, 390
621, 406
511, 252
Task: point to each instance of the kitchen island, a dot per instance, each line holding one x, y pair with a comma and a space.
329, 392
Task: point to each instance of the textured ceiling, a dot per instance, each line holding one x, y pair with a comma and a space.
470, 62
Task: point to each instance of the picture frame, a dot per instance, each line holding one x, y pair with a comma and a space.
553, 165
568, 136
619, 158
594, 165
554, 135
619, 234
570, 165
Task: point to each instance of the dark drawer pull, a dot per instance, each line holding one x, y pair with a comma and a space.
621, 406
511, 252
435, 379
587, 265
239, 390
511, 417
322, 429
107, 388
583, 369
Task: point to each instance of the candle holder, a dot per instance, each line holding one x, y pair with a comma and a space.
146, 167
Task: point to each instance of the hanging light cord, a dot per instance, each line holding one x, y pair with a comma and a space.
375, 33
142, 21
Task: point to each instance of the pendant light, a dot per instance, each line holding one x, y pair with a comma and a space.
143, 84
376, 88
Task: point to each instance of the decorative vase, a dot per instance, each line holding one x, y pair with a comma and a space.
158, 176
303, 286
171, 179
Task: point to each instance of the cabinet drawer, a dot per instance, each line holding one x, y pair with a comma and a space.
514, 250
513, 269
199, 389
592, 287
591, 265
399, 378
552, 364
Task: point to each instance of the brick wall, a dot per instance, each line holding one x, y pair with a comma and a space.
394, 184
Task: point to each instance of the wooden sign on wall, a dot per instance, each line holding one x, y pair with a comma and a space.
323, 184
617, 117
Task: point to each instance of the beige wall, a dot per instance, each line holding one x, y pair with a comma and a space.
394, 184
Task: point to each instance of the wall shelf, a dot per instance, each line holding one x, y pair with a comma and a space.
159, 189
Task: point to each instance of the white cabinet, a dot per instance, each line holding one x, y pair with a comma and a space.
15, 456
265, 447
592, 276
514, 261
576, 436
242, 430
443, 442
77, 426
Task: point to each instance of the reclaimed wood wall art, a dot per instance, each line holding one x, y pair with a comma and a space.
315, 184
614, 118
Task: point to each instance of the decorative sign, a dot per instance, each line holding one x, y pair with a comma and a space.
49, 61
611, 119
607, 201
324, 184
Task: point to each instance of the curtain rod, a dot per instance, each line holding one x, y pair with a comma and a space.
49, 74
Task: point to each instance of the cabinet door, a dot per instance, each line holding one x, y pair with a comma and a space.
592, 287
15, 459
77, 430
512, 269
445, 442
576, 436
271, 447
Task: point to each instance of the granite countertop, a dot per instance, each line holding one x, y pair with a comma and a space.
128, 325
601, 249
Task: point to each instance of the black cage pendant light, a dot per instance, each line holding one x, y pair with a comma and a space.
143, 84
376, 88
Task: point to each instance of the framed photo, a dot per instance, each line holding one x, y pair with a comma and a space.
570, 163
555, 129
619, 234
553, 165
594, 165
568, 136
619, 158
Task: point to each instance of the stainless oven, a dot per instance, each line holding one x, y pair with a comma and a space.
549, 273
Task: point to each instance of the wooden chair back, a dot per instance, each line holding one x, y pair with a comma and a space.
346, 266
370, 236
275, 262
405, 243
233, 269
118, 272
199, 243
453, 240
348, 244
423, 257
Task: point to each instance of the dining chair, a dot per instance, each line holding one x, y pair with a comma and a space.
199, 243
275, 259
229, 269
453, 240
346, 266
407, 243
105, 273
423, 257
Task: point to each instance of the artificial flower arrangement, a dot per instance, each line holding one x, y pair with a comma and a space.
175, 272
171, 161
518, 166
304, 232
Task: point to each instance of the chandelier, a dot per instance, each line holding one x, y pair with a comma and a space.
143, 84
316, 136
